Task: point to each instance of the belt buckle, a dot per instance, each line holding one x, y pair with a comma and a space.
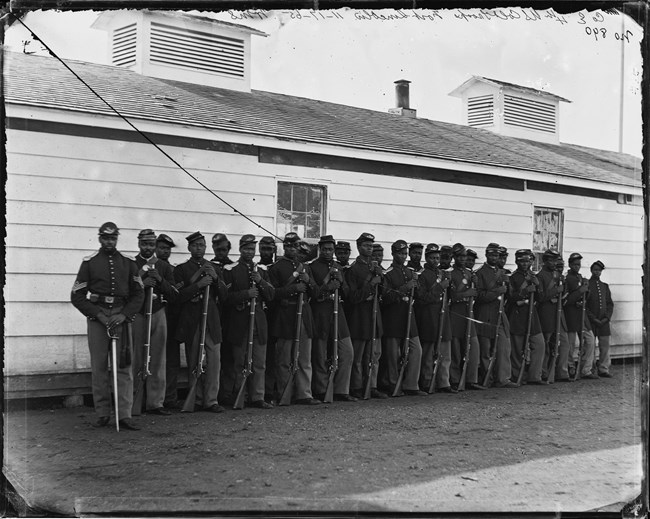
109, 299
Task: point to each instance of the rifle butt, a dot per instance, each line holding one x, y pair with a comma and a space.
136, 408
239, 401
434, 375
367, 389
397, 390
463, 376
329, 391
287, 392
190, 399
551, 371
488, 373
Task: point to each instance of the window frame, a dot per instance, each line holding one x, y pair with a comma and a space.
538, 254
324, 216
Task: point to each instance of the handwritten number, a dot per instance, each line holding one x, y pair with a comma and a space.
582, 19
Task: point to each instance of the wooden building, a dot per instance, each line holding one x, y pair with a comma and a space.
289, 163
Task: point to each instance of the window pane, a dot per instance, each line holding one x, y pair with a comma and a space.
299, 198
313, 227
315, 201
284, 196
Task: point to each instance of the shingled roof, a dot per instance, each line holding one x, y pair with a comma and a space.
43, 81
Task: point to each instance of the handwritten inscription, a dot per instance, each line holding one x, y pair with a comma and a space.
591, 21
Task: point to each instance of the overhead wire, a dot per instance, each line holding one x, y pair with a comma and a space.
140, 132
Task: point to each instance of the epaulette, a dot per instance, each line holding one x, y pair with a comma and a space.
229, 266
88, 258
262, 267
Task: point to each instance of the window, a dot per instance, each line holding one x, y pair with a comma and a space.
301, 209
547, 232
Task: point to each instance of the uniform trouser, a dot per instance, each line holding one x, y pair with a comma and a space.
587, 357
535, 358
363, 349
604, 360
284, 359
426, 366
99, 345
207, 390
458, 347
255, 381
320, 366
392, 353
502, 370
155, 383
562, 361
270, 376
172, 361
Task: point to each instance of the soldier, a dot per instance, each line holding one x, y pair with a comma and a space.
433, 283
306, 251
461, 289
600, 308
191, 279
158, 275
470, 261
246, 281
164, 245
108, 291
551, 287
267, 251
577, 288
503, 259
378, 255
364, 278
342, 251
328, 277
289, 278
492, 286
415, 256
221, 247
524, 285
399, 283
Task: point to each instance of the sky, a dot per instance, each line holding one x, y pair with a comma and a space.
353, 57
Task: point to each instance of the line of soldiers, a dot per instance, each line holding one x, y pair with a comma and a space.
296, 331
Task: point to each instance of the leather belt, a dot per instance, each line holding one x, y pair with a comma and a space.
108, 300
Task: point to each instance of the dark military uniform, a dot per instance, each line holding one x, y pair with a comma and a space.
523, 286
108, 284
461, 280
284, 275
269, 376
488, 301
359, 313
577, 326
190, 298
237, 277
163, 291
395, 317
600, 308
428, 309
322, 305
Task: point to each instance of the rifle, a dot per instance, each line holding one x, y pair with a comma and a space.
248, 364
583, 302
113, 338
558, 322
329, 390
405, 359
436, 351
197, 372
468, 339
531, 307
366, 392
493, 350
287, 392
136, 408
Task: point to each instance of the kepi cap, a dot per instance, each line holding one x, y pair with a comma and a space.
523, 252
364, 237
598, 263
267, 240
549, 254
492, 247
575, 256
219, 237
328, 238
416, 245
431, 247
503, 251
291, 238
342, 245
398, 246
471, 253
458, 249
194, 236
165, 239
247, 239
146, 234
108, 229
377, 246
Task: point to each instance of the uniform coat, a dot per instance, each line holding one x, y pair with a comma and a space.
572, 305
395, 302
322, 303
487, 304
459, 308
547, 299
428, 304
599, 306
358, 306
518, 315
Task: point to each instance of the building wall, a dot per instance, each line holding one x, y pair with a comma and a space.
61, 188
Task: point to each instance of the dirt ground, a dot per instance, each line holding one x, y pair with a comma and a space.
406, 453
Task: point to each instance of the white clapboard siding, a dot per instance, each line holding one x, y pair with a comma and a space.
47, 354
55, 318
